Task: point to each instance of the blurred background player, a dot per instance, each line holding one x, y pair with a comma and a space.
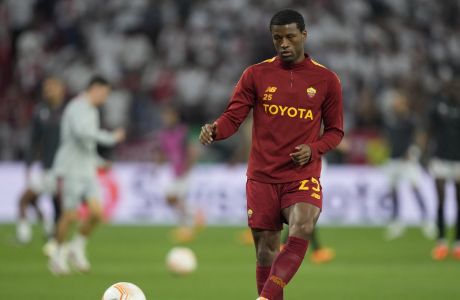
176, 148
44, 141
75, 166
403, 166
444, 134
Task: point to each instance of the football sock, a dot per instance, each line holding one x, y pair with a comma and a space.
284, 267
440, 220
457, 194
395, 202
262, 276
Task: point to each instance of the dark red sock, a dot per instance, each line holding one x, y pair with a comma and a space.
261, 277
284, 267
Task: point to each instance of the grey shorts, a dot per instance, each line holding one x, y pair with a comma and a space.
75, 190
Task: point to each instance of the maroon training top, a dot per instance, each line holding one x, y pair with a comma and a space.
289, 102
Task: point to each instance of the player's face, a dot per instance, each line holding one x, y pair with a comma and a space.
289, 42
53, 91
101, 93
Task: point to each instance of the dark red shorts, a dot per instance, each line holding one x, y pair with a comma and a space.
266, 200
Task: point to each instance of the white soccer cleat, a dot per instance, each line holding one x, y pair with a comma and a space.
50, 247
394, 230
58, 262
429, 230
78, 260
261, 298
23, 232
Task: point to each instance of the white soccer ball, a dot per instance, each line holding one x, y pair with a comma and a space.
181, 261
124, 291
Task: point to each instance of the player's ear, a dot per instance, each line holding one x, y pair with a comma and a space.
304, 35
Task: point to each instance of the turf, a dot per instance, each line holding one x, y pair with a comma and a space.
366, 268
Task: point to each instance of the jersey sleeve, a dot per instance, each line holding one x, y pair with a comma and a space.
36, 137
85, 125
241, 102
332, 115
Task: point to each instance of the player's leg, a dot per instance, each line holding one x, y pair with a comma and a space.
394, 171
51, 244
441, 250
77, 249
302, 218
23, 228
456, 251
69, 190
267, 243
58, 258
176, 196
264, 219
319, 253
414, 174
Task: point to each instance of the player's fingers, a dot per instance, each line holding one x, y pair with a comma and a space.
303, 156
205, 137
296, 154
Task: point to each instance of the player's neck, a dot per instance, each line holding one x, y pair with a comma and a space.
297, 62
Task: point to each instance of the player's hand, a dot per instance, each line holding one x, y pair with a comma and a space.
120, 134
302, 155
208, 133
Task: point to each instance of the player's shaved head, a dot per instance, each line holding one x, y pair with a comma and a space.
288, 16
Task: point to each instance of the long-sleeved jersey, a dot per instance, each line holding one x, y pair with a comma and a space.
44, 138
289, 104
80, 133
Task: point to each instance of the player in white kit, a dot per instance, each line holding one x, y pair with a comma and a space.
75, 167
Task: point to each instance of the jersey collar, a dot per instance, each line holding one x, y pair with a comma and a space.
301, 65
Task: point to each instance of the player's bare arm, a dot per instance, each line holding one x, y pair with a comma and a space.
208, 133
302, 155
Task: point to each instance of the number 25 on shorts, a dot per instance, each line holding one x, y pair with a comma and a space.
315, 186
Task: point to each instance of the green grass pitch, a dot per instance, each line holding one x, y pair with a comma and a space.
366, 267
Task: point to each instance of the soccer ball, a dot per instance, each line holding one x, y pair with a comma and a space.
181, 261
123, 291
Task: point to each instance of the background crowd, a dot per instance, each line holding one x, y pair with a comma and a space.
191, 53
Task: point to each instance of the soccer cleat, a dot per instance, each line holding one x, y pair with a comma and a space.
440, 252
183, 235
78, 260
58, 262
23, 232
456, 252
429, 230
50, 247
394, 230
261, 298
322, 255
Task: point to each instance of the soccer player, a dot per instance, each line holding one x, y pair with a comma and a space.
181, 153
404, 141
44, 141
75, 167
290, 95
445, 165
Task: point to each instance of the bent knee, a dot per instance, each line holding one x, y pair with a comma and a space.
303, 230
